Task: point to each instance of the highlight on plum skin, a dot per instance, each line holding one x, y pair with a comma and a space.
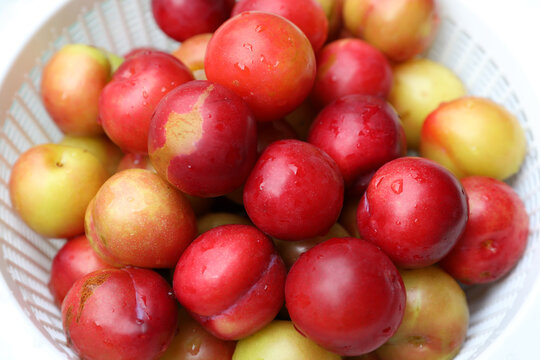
120, 313
231, 280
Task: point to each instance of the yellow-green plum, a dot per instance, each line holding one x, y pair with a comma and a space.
138, 219
98, 145
435, 321
290, 251
193, 342
71, 84
333, 10
474, 136
215, 219
51, 185
420, 86
115, 60
401, 29
347, 218
280, 341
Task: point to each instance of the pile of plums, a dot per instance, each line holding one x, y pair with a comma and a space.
250, 196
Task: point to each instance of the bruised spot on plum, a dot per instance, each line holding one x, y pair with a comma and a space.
417, 340
489, 245
69, 317
88, 289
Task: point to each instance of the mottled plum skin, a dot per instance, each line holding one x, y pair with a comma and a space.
308, 15
120, 314
138, 219
294, 192
350, 66
496, 234
361, 133
128, 101
414, 210
182, 19
231, 280
265, 59
74, 260
193, 342
203, 139
322, 283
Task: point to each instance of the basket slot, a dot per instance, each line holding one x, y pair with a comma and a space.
30, 104
97, 29
78, 34
135, 23
118, 28
25, 240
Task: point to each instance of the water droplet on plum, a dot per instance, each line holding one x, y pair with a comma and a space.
397, 186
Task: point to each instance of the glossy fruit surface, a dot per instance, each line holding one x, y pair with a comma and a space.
265, 59
496, 234
294, 192
120, 314
322, 283
414, 209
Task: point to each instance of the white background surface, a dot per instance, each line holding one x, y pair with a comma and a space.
516, 23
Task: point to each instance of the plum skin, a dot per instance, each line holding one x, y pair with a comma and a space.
321, 284
124, 313
295, 191
415, 210
203, 139
231, 280
496, 234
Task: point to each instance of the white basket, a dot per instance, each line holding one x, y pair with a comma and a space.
120, 25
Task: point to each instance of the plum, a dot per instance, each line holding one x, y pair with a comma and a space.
436, 318
496, 234
182, 19
308, 15
350, 66
128, 101
414, 210
203, 139
120, 314
71, 84
265, 59
279, 340
231, 280
138, 219
474, 135
193, 342
346, 295
420, 86
360, 132
75, 259
294, 192
401, 29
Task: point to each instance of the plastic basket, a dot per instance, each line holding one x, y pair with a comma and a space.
119, 26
